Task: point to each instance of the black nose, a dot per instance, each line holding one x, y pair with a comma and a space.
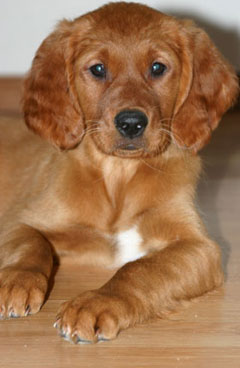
131, 123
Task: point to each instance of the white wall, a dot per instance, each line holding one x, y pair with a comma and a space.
24, 24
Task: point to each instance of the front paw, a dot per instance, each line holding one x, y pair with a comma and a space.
92, 317
22, 292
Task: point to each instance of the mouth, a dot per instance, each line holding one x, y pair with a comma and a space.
129, 149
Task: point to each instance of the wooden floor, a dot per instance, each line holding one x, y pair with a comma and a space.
205, 335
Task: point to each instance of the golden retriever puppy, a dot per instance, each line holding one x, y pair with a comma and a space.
125, 97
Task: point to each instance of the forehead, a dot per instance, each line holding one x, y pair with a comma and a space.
133, 22
128, 28
123, 18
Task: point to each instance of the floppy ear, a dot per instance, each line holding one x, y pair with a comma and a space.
50, 105
208, 87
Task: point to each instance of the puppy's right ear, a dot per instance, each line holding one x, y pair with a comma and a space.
50, 105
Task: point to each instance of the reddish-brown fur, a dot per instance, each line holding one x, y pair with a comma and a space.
83, 194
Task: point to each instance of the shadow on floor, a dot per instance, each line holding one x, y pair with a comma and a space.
220, 164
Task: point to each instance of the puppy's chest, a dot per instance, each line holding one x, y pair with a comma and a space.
128, 246
122, 193
107, 213
111, 201
117, 177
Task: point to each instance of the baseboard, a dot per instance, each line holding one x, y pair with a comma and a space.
10, 95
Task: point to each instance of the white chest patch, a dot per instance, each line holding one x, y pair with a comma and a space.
128, 245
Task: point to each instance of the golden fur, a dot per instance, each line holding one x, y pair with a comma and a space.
88, 191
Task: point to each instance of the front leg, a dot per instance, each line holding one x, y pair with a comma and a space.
149, 287
25, 267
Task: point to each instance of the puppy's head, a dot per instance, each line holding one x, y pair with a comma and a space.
132, 79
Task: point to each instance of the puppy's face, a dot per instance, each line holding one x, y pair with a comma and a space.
127, 89
131, 79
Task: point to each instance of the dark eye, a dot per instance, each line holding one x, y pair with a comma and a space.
158, 69
98, 71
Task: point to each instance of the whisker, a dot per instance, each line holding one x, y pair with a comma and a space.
95, 122
150, 166
176, 139
91, 132
96, 126
93, 129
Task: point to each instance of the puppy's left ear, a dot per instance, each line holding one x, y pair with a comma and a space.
208, 87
